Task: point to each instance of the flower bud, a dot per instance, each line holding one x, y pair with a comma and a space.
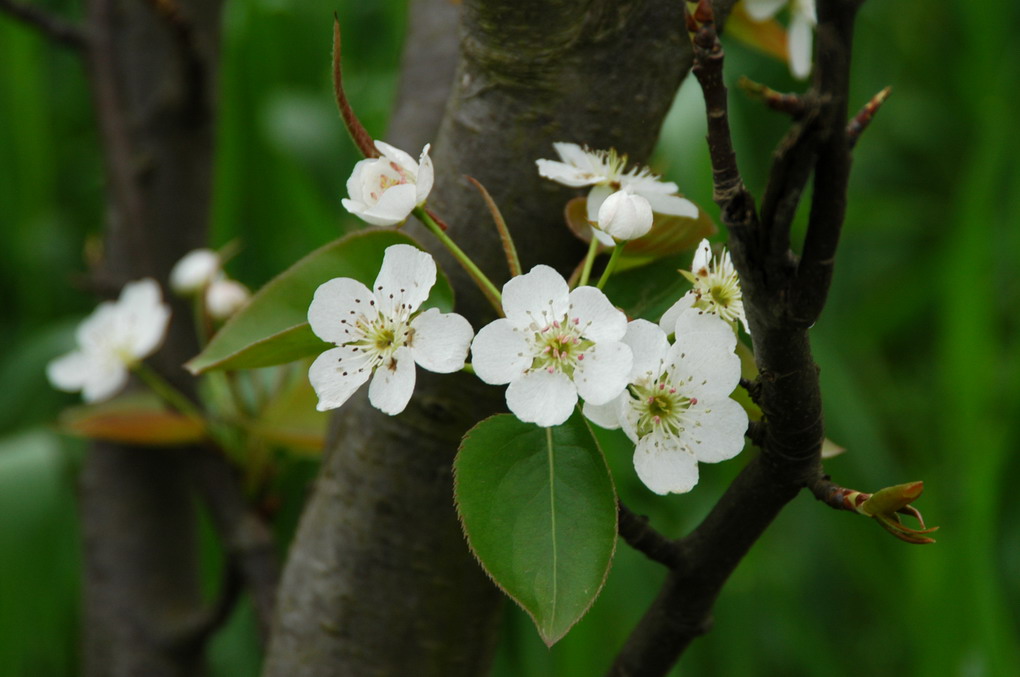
625, 216
224, 297
193, 272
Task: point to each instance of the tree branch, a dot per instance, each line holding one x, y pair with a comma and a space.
640, 535
248, 542
789, 393
49, 26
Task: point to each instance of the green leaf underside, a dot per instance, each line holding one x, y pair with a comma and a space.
538, 508
273, 328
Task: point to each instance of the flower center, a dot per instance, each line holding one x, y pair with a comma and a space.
559, 347
389, 175
660, 407
380, 338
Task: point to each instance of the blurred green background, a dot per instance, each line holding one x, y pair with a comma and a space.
917, 346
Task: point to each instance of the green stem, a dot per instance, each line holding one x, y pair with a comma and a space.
589, 260
468, 368
483, 282
167, 392
611, 266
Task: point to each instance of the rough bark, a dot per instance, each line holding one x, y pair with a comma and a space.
151, 67
379, 580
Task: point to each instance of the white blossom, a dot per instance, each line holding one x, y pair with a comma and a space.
194, 271
224, 297
379, 335
606, 172
716, 289
383, 191
800, 34
553, 345
114, 338
677, 408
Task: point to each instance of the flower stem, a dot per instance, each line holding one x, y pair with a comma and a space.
589, 260
167, 392
611, 266
483, 282
468, 368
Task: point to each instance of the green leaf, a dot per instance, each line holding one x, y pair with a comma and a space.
538, 508
273, 328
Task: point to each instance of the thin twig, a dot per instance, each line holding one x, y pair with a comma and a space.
864, 117
513, 262
791, 104
641, 536
362, 139
49, 26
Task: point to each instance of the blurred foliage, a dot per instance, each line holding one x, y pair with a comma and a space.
922, 313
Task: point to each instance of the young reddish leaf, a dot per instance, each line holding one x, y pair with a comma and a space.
538, 508
132, 419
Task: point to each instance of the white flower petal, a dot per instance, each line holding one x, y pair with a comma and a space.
715, 430
336, 374
394, 205
542, 398
702, 363
336, 306
500, 353
405, 278
69, 372
671, 204
800, 44
573, 154
107, 377
195, 270
539, 297
604, 415
565, 174
596, 196
441, 341
625, 216
649, 345
603, 238
394, 154
595, 316
669, 318
702, 258
664, 465
142, 320
426, 175
603, 373
648, 185
393, 383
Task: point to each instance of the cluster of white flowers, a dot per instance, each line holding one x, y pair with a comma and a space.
554, 346
620, 203
114, 338
201, 272
801, 32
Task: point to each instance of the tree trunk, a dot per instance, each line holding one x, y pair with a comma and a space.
152, 68
379, 580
